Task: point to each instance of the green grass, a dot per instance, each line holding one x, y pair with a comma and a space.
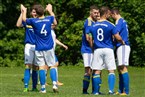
71, 76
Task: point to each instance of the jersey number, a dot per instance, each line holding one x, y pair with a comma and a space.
100, 36
43, 31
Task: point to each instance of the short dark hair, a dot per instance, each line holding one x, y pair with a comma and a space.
94, 7
104, 10
39, 9
115, 10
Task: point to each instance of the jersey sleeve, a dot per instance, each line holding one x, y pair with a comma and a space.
52, 19
29, 21
23, 24
119, 25
87, 26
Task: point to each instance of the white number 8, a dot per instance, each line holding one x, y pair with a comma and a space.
100, 36
43, 31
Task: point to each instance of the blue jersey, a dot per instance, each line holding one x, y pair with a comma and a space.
102, 32
85, 44
29, 34
42, 30
122, 28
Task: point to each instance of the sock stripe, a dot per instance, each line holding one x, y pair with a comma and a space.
95, 76
124, 72
86, 79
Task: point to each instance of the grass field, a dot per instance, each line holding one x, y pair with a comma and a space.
12, 86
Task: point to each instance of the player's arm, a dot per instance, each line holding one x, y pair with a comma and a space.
61, 44
119, 39
88, 33
19, 21
90, 39
49, 9
24, 12
116, 33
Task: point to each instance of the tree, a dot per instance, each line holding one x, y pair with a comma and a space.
71, 15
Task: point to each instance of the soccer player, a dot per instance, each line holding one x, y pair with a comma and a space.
86, 50
102, 41
56, 41
123, 52
29, 53
44, 51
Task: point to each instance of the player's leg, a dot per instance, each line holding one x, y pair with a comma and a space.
40, 61
46, 71
34, 77
97, 59
28, 62
87, 58
111, 66
96, 82
86, 80
56, 65
125, 80
34, 69
123, 61
50, 61
111, 82
26, 77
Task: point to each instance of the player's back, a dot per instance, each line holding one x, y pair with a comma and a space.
42, 30
102, 32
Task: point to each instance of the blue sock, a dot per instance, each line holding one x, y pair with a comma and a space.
121, 85
126, 82
86, 82
42, 77
34, 78
96, 83
26, 77
53, 75
92, 84
100, 85
46, 75
56, 73
111, 82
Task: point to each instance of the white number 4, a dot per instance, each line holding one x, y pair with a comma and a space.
43, 31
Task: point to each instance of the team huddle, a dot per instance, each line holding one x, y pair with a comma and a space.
99, 39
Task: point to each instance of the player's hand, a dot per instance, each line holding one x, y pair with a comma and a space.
23, 9
123, 43
49, 8
66, 48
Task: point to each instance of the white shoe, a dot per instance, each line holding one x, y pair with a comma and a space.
96, 94
55, 89
43, 91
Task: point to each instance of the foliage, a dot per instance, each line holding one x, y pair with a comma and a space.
71, 15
